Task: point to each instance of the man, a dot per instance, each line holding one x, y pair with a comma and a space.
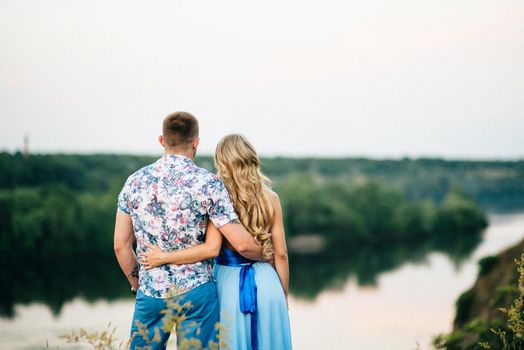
168, 204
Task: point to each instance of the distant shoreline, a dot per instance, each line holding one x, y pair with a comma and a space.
297, 157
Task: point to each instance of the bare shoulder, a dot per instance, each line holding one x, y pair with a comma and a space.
273, 197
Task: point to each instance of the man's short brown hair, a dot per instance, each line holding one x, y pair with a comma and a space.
179, 129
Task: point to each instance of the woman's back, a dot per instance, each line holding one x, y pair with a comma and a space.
269, 193
252, 295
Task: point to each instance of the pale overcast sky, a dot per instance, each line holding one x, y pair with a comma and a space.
375, 78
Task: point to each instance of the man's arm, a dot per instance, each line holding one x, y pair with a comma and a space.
222, 213
123, 245
242, 240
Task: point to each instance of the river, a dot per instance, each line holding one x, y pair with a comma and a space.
407, 304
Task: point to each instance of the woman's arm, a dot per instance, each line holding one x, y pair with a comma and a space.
209, 249
279, 243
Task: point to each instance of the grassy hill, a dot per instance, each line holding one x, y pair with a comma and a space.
478, 310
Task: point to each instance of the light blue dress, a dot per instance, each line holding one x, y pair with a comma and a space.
270, 313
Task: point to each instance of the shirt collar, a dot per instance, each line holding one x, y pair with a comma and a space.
176, 159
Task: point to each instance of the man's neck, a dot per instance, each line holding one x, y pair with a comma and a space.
188, 154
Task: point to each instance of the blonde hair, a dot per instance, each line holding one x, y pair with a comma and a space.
238, 165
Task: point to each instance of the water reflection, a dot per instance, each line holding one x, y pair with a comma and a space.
55, 280
339, 261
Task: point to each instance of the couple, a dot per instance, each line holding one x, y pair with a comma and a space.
181, 216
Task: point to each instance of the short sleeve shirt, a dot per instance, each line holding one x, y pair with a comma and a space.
169, 203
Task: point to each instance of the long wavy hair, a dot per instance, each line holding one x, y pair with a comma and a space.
238, 165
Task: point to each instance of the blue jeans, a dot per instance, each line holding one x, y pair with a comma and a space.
196, 313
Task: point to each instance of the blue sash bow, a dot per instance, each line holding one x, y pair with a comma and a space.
247, 287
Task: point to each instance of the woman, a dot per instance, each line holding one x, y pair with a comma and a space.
252, 295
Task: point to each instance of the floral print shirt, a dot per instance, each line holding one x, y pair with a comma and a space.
169, 203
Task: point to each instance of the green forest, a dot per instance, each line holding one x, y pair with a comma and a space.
57, 213
66, 203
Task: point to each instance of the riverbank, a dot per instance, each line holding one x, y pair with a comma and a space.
478, 309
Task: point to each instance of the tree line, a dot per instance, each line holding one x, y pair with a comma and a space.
61, 203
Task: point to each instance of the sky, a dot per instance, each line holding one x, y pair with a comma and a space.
374, 78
